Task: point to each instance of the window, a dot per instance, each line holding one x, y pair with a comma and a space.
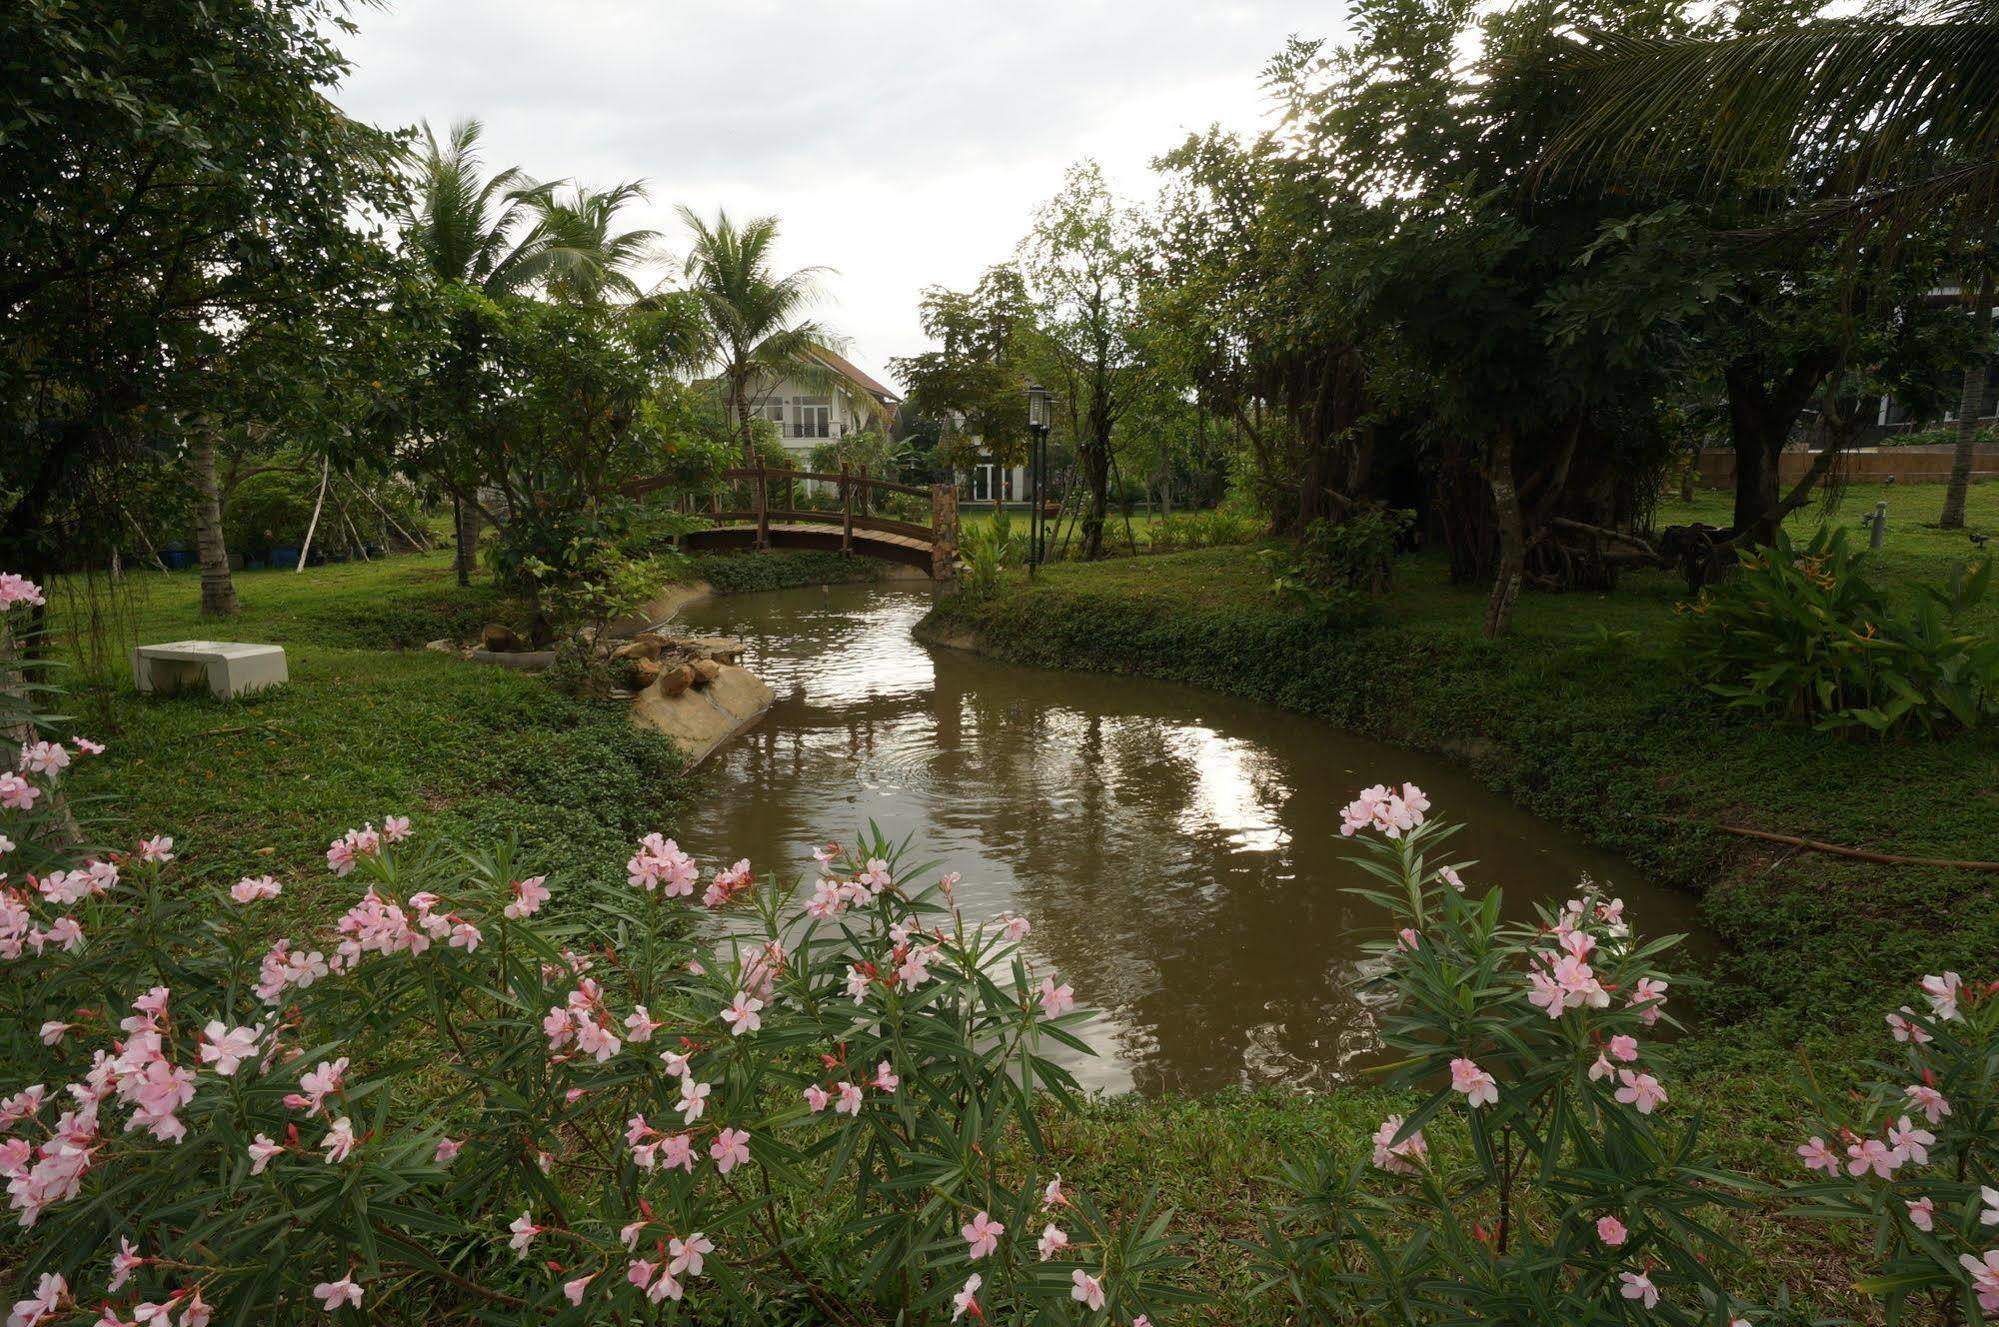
776, 416
811, 421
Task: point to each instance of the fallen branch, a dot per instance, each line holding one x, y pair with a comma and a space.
1859, 854
1603, 532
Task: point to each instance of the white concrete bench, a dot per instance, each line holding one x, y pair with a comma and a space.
229, 667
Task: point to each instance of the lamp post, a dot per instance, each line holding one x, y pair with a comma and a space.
1038, 413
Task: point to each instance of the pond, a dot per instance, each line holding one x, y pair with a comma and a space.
1178, 852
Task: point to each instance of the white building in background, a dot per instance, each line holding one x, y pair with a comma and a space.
809, 415
978, 480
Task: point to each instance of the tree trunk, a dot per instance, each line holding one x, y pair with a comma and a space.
1512, 538
1691, 473
218, 588
740, 391
1968, 403
465, 537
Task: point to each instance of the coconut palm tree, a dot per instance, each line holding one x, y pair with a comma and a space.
756, 327
585, 260
1895, 112
472, 228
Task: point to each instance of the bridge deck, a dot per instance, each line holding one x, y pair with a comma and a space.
884, 544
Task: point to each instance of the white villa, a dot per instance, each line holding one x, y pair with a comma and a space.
809, 415
979, 479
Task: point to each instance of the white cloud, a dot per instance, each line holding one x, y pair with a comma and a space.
902, 143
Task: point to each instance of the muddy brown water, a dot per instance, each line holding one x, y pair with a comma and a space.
1178, 852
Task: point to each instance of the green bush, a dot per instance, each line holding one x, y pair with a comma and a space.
744, 573
1338, 565
1204, 529
1802, 632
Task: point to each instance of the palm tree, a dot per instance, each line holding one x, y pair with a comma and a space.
757, 331
1895, 112
506, 234
471, 228
583, 260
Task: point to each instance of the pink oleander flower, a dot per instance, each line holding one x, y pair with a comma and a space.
396, 828
967, 1299
316, 1085
659, 864
1638, 1286
1053, 1240
251, 888
1929, 1101
816, 1098
1984, 1277
1056, 1000
54, 1030
1652, 995
16, 793
1450, 877
447, 1151
826, 854
1989, 1196
123, 1264
158, 848
1902, 1023
693, 1099
1052, 1195
982, 1235
1641, 1092
875, 875
677, 1153
529, 895
573, 1290
43, 758
1477, 1085
522, 1232
1086, 1290
1911, 1142
1942, 993
226, 1048
730, 1149
742, 1015
18, 590
1611, 1231
339, 1141
1624, 1048
687, 1254
1817, 1155
333, 1294
196, 1312
1922, 1213
50, 1292
1016, 929
1398, 1158
850, 1099
1872, 1154
727, 884
262, 1152
86, 746
885, 1078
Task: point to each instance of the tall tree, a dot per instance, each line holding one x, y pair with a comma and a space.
1086, 260
174, 177
979, 372
757, 329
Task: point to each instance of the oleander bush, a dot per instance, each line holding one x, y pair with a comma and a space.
486, 1092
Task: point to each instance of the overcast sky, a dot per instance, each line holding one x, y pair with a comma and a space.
902, 143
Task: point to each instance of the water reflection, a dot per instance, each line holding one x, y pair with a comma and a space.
1178, 852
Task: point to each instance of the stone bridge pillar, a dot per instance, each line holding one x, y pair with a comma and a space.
944, 533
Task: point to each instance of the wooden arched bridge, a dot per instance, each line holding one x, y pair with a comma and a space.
764, 508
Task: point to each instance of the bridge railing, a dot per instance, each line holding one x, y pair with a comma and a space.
763, 496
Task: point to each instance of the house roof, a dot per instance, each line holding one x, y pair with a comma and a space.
846, 369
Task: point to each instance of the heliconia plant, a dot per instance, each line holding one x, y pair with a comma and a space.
483, 1093
1580, 1196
